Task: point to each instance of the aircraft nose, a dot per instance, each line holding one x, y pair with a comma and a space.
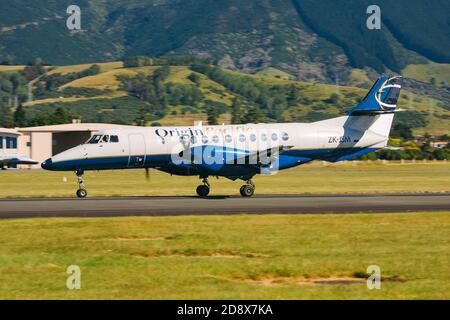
47, 164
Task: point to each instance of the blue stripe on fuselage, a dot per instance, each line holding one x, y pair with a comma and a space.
287, 159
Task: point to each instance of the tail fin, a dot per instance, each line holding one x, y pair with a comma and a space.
382, 97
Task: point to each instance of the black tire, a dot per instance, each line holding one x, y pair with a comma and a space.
202, 190
81, 193
247, 190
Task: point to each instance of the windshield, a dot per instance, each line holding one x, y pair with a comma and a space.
103, 139
94, 139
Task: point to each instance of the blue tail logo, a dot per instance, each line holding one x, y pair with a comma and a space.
382, 97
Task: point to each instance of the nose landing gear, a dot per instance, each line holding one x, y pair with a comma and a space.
81, 192
247, 190
203, 189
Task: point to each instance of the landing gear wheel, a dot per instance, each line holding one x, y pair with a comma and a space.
81, 193
247, 190
202, 190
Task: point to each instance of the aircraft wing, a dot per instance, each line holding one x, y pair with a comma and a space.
15, 160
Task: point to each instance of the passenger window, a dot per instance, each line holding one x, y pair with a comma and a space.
216, 139
228, 138
253, 137
205, 139
242, 138
285, 136
263, 137
274, 137
184, 139
114, 139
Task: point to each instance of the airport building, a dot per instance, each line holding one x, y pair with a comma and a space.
40, 143
9, 141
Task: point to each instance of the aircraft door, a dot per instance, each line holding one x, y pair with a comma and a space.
138, 152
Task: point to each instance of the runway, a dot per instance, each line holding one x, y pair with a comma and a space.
221, 205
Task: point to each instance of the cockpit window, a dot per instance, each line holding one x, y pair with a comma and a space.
102, 139
95, 139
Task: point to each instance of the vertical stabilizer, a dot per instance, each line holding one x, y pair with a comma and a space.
382, 98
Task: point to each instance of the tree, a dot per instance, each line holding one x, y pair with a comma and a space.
6, 116
253, 114
213, 114
140, 61
60, 116
91, 71
236, 112
293, 96
161, 74
34, 69
20, 117
142, 117
402, 130
195, 78
433, 81
333, 99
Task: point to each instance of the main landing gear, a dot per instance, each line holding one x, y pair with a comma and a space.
203, 189
247, 190
81, 192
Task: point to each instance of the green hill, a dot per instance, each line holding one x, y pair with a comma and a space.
182, 94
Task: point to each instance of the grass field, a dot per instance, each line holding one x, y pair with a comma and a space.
351, 177
228, 257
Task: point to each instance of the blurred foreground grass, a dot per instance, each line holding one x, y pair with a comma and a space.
227, 257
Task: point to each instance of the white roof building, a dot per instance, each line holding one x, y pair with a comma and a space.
40, 143
8, 141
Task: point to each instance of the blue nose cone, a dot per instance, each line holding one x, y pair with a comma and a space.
47, 164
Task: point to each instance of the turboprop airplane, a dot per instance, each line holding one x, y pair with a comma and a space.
12, 160
238, 151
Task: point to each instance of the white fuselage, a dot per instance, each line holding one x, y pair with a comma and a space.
161, 147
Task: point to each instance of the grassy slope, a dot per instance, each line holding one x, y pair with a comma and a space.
104, 67
317, 93
424, 72
307, 179
107, 79
223, 257
274, 73
11, 68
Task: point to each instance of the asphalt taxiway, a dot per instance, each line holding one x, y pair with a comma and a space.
221, 205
